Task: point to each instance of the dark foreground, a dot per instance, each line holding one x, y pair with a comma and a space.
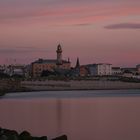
6, 134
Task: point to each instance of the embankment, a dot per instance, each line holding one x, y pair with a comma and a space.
78, 85
10, 85
7, 86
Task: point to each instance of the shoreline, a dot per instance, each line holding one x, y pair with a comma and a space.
78, 85
73, 85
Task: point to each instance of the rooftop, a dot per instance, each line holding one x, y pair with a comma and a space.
116, 68
131, 69
48, 61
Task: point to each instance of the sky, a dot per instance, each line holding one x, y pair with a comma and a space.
96, 31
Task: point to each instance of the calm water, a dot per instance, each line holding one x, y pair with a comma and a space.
82, 115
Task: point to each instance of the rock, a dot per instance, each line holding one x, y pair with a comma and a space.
25, 136
43, 138
39, 138
3, 137
63, 137
6, 134
10, 134
1, 131
35, 138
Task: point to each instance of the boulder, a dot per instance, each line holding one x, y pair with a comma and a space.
6, 134
63, 137
3, 137
39, 138
10, 134
43, 138
25, 136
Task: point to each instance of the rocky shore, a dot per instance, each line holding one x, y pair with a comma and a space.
6, 134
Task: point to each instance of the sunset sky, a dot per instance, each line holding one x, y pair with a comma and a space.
94, 30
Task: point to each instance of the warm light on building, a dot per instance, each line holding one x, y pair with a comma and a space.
50, 64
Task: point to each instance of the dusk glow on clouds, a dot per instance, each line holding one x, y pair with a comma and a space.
86, 29
123, 26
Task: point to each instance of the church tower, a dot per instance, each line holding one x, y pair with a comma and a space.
77, 63
77, 68
59, 55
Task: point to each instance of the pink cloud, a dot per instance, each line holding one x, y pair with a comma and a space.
69, 15
124, 26
47, 25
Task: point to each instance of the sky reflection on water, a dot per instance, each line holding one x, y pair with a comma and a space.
112, 116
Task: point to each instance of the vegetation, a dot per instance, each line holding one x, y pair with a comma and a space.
2, 93
130, 79
4, 76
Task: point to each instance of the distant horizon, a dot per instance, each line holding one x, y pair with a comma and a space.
96, 31
73, 63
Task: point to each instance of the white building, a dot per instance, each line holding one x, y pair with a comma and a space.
100, 69
116, 71
138, 68
2, 68
15, 70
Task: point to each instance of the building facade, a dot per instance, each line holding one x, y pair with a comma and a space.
15, 70
100, 69
116, 71
84, 71
129, 70
50, 64
138, 68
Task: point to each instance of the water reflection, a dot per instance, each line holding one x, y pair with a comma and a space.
59, 112
109, 118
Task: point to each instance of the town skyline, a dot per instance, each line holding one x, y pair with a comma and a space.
14, 61
95, 31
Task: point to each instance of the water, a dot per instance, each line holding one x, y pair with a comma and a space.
81, 115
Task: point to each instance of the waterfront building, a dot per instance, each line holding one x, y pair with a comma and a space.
84, 71
128, 74
41, 65
2, 68
100, 69
77, 68
138, 68
77, 63
129, 70
116, 71
15, 70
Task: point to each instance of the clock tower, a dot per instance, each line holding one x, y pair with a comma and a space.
59, 55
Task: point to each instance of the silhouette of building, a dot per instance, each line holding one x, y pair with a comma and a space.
41, 65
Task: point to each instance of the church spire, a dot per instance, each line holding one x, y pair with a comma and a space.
68, 60
77, 63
